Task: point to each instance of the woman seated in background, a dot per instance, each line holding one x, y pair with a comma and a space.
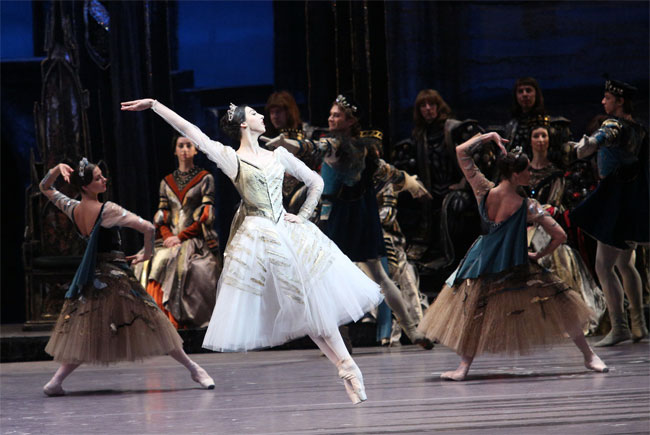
183, 272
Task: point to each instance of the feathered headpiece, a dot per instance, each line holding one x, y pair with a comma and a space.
82, 166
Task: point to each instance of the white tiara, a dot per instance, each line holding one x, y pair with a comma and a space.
82, 166
342, 101
231, 112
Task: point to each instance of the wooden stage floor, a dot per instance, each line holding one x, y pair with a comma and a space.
297, 391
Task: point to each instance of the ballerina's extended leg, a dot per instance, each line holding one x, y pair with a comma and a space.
592, 362
334, 349
54, 386
199, 375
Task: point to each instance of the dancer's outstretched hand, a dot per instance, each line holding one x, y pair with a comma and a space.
494, 137
137, 105
292, 218
65, 171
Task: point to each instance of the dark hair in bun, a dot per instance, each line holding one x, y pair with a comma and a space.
512, 163
82, 176
232, 126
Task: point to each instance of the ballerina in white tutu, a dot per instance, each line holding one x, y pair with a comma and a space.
282, 277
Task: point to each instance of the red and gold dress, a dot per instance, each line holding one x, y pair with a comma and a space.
182, 279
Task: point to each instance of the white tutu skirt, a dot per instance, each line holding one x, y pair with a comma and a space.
283, 281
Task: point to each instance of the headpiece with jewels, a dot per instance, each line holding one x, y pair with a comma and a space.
231, 112
82, 166
539, 121
343, 102
517, 151
619, 88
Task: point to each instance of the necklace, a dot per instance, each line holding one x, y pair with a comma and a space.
183, 178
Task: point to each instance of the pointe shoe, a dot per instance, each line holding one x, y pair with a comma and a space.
615, 336
353, 380
53, 390
639, 329
596, 364
201, 377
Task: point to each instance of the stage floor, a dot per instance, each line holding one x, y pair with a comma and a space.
297, 391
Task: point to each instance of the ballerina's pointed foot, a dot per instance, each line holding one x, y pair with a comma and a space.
53, 389
454, 375
353, 380
596, 364
201, 377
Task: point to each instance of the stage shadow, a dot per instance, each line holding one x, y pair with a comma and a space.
109, 392
505, 376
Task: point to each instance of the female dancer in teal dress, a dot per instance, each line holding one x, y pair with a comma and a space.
499, 300
107, 316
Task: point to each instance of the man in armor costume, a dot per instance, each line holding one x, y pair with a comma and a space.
616, 213
431, 227
400, 269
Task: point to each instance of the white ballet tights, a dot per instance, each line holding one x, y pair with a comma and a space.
333, 347
376, 272
607, 258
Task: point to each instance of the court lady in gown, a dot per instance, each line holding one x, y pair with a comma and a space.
183, 272
282, 277
499, 300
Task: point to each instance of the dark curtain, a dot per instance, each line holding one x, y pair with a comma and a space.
137, 147
423, 52
325, 48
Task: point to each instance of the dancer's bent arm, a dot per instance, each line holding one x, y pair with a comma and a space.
116, 216
480, 184
537, 215
61, 201
312, 180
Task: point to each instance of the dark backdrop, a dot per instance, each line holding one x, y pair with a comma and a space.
382, 52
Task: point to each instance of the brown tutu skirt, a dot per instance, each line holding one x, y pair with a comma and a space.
510, 312
113, 320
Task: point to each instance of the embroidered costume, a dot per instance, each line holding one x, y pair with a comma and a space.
547, 186
497, 301
183, 279
617, 211
107, 316
280, 280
